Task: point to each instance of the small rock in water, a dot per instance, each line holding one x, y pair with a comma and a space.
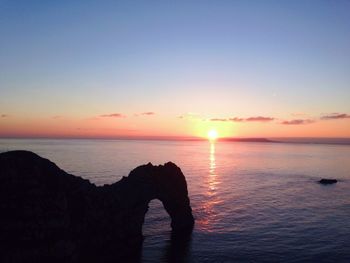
328, 181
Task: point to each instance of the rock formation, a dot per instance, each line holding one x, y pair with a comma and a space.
327, 181
50, 215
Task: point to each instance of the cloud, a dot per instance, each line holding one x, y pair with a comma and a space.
218, 119
113, 115
250, 119
147, 113
336, 116
236, 119
190, 115
297, 122
260, 119
56, 117
3, 115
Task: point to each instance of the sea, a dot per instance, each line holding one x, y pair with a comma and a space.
252, 202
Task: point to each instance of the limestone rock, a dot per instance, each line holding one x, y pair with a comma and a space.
50, 215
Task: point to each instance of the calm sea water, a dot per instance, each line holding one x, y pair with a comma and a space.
253, 202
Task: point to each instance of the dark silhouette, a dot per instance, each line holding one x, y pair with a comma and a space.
50, 215
328, 181
177, 248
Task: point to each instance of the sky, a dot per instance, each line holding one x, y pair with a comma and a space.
121, 69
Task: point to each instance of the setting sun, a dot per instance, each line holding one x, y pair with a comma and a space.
212, 135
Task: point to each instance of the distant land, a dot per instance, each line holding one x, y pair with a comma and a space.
246, 140
337, 141
308, 140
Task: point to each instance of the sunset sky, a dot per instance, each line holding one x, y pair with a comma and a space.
174, 68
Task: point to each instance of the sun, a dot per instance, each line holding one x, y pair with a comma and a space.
212, 135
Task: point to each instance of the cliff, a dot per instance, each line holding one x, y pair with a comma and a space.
50, 215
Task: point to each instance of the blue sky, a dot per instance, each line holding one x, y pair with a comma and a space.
216, 58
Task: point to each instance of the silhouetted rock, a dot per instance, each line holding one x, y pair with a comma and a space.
50, 215
328, 181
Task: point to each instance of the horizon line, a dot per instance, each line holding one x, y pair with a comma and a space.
165, 138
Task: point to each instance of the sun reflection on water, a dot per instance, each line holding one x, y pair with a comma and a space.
212, 168
211, 199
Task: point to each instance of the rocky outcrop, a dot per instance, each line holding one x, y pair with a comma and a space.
328, 181
50, 215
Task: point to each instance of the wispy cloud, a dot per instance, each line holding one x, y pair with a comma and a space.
147, 113
250, 119
298, 122
236, 119
190, 115
260, 119
219, 119
113, 115
4, 115
56, 117
335, 116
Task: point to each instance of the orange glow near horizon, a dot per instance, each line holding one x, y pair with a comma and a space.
159, 125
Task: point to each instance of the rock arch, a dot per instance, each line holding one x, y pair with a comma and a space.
167, 184
49, 214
